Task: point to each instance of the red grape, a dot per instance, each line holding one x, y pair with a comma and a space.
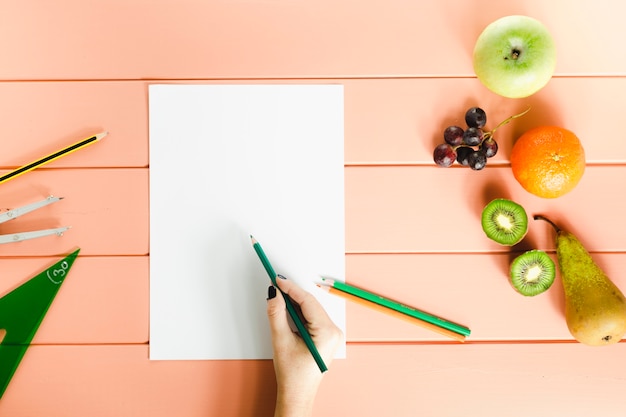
453, 135
489, 147
477, 160
444, 155
473, 136
476, 117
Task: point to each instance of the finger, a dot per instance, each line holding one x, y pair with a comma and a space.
311, 309
277, 313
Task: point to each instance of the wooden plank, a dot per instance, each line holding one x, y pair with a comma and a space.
387, 121
432, 209
400, 121
107, 210
121, 381
117, 39
103, 300
470, 289
394, 380
476, 380
42, 117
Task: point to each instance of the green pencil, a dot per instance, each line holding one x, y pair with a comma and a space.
306, 336
410, 311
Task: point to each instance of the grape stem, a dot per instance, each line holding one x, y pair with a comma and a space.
490, 133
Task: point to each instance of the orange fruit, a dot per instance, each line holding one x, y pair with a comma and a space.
548, 161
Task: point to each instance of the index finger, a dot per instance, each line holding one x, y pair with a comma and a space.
311, 309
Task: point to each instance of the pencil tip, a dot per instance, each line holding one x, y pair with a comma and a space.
252, 239
101, 135
323, 287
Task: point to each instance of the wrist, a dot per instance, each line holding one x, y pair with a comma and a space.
295, 404
296, 400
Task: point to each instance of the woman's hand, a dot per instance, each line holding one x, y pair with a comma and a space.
297, 374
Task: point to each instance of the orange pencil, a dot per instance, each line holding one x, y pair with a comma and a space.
393, 313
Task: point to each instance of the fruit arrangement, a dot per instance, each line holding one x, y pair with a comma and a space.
471, 146
515, 57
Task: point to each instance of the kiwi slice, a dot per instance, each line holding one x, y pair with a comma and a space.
532, 272
504, 221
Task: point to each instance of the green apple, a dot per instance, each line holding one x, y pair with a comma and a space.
515, 56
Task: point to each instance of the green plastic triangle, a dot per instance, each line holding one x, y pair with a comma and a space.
22, 311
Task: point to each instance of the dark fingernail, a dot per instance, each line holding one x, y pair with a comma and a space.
281, 277
271, 292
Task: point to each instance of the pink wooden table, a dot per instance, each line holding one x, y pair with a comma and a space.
72, 68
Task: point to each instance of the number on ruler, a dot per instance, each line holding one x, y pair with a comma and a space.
57, 275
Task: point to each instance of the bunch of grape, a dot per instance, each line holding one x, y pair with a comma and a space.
470, 147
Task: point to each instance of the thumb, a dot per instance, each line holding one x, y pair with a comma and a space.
277, 313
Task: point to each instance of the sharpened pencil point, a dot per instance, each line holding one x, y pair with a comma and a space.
323, 287
101, 135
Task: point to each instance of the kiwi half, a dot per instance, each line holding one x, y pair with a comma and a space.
504, 221
532, 272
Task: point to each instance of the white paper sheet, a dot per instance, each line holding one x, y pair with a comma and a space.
228, 161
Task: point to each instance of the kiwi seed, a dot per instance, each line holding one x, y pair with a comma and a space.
532, 272
504, 221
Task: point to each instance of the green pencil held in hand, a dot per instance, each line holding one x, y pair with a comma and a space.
304, 333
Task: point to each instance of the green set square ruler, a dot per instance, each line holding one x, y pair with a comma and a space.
22, 311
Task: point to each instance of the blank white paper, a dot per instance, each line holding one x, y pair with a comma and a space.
227, 162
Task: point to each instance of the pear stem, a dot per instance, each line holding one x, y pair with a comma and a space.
540, 217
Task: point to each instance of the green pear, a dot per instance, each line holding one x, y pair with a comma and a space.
595, 309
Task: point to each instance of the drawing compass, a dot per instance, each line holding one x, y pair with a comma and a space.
15, 213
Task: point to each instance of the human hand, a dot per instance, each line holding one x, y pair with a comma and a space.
297, 374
